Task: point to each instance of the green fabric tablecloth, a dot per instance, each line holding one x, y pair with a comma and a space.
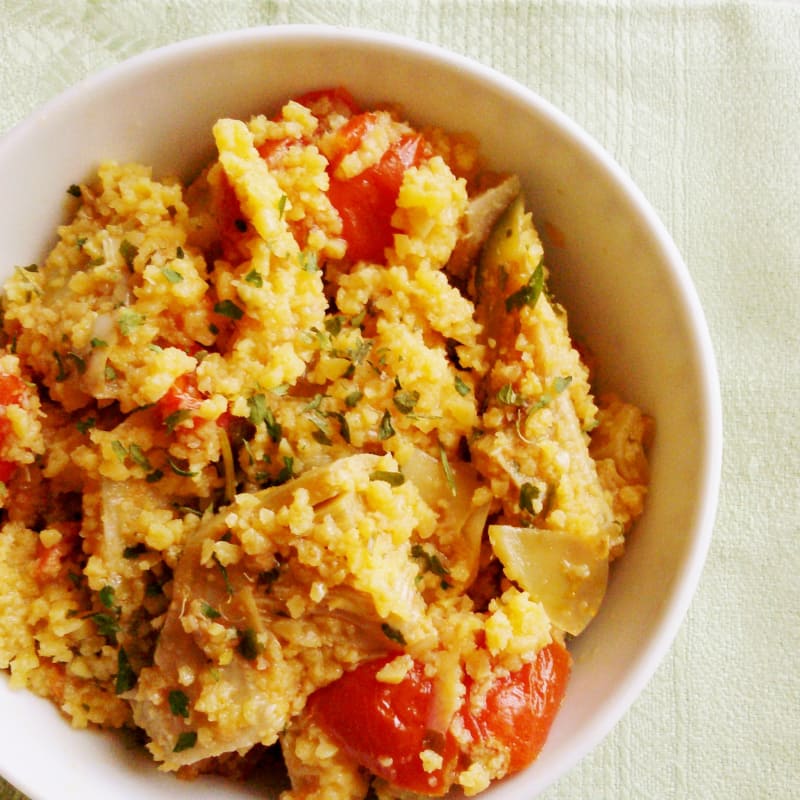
700, 103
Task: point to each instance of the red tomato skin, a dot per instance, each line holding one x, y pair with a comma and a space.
49, 560
367, 201
183, 395
520, 707
373, 721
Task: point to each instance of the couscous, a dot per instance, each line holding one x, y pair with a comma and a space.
300, 458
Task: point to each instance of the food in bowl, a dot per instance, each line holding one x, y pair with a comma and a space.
302, 454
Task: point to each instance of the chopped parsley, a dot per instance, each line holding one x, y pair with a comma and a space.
172, 275
106, 595
185, 741
254, 278
106, 624
508, 396
405, 400
61, 374
392, 478
227, 308
179, 703
529, 293
134, 551
128, 252
461, 387
351, 401
126, 677
84, 425
128, 321
386, 429
308, 261
447, 469
249, 647
528, 493
209, 611
171, 421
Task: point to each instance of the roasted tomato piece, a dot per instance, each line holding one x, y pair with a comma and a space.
520, 707
367, 201
383, 726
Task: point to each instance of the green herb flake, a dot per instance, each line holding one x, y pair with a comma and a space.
392, 633
128, 251
138, 457
209, 611
80, 241
261, 412
227, 308
134, 551
529, 293
385, 428
119, 450
106, 596
249, 647
126, 677
308, 261
561, 383
351, 401
171, 421
447, 469
128, 321
106, 625
392, 478
334, 324
509, 396
178, 703
405, 400
528, 494
224, 572
155, 476
172, 275
185, 741
282, 204
98, 343
109, 373
254, 278
461, 387
61, 373
85, 425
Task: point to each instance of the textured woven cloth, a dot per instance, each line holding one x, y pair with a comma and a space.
700, 103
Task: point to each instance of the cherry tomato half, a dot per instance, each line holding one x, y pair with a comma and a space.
383, 726
521, 706
367, 201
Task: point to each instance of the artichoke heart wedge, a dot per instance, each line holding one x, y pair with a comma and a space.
552, 535
567, 574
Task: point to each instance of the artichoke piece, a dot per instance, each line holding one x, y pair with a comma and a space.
566, 573
554, 531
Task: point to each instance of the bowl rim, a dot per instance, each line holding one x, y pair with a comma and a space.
687, 576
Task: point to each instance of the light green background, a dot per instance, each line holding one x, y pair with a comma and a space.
700, 102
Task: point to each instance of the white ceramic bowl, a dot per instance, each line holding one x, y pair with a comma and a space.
619, 274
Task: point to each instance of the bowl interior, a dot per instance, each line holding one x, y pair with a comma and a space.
613, 266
